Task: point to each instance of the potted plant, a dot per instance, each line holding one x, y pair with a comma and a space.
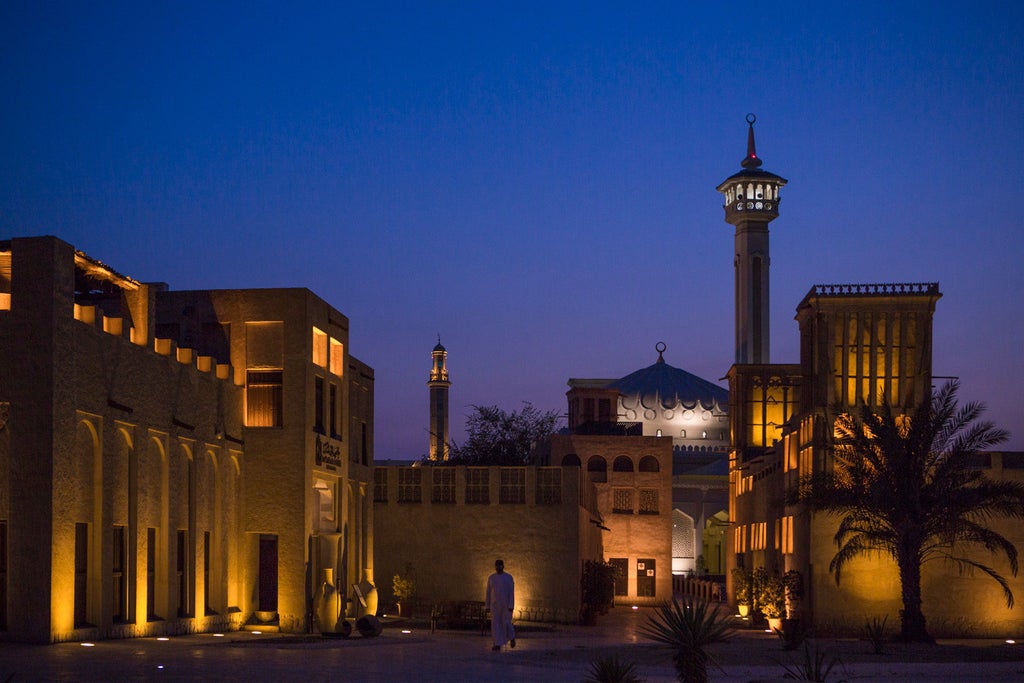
741, 588
772, 601
403, 588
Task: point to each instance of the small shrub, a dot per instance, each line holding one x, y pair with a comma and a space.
813, 667
612, 670
874, 629
685, 629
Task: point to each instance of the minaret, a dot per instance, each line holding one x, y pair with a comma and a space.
751, 203
439, 384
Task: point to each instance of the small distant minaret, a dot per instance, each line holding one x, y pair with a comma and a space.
751, 203
439, 384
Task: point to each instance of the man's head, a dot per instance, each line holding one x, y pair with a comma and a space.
499, 566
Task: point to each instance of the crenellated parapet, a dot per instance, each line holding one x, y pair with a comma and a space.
876, 289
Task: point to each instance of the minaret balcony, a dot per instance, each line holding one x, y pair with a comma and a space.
751, 209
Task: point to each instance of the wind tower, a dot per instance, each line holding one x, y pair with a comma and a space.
751, 203
439, 384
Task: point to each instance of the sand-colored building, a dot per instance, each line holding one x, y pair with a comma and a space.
858, 344
444, 526
632, 476
172, 461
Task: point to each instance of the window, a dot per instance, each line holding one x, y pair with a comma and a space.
513, 485
81, 575
337, 357
207, 609
549, 485
622, 501
380, 485
327, 518
622, 464
150, 574
649, 463
119, 574
739, 539
621, 565
332, 415
263, 398
758, 535
319, 347
409, 489
264, 358
182, 573
478, 485
318, 405
597, 469
443, 489
648, 501
786, 535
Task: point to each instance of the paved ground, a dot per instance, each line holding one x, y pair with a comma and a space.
555, 654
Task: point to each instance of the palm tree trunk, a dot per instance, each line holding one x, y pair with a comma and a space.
912, 625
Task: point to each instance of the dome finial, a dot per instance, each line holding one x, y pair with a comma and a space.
751, 160
660, 348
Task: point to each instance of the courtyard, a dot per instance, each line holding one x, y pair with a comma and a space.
555, 653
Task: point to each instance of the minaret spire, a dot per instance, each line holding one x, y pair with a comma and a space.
751, 203
751, 160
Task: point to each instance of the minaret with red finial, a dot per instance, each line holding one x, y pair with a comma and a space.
751, 203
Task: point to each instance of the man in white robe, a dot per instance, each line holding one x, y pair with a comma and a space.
501, 600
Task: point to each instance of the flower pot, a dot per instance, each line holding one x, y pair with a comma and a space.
743, 609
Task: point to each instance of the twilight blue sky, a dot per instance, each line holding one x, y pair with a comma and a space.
533, 181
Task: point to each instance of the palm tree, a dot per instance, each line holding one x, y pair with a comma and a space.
905, 486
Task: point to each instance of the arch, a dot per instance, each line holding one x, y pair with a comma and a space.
571, 460
623, 463
597, 468
649, 463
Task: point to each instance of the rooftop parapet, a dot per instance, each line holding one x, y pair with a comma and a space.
877, 289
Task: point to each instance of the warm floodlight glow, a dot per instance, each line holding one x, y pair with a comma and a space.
405, 630
163, 638
635, 607
88, 644
257, 633
1011, 642
218, 635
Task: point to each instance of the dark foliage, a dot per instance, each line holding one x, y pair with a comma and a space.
497, 437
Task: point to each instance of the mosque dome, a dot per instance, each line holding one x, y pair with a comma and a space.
663, 387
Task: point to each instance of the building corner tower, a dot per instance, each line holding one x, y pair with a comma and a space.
751, 203
439, 385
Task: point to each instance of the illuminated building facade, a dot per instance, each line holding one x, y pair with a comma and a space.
632, 477
443, 526
691, 414
172, 462
858, 344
